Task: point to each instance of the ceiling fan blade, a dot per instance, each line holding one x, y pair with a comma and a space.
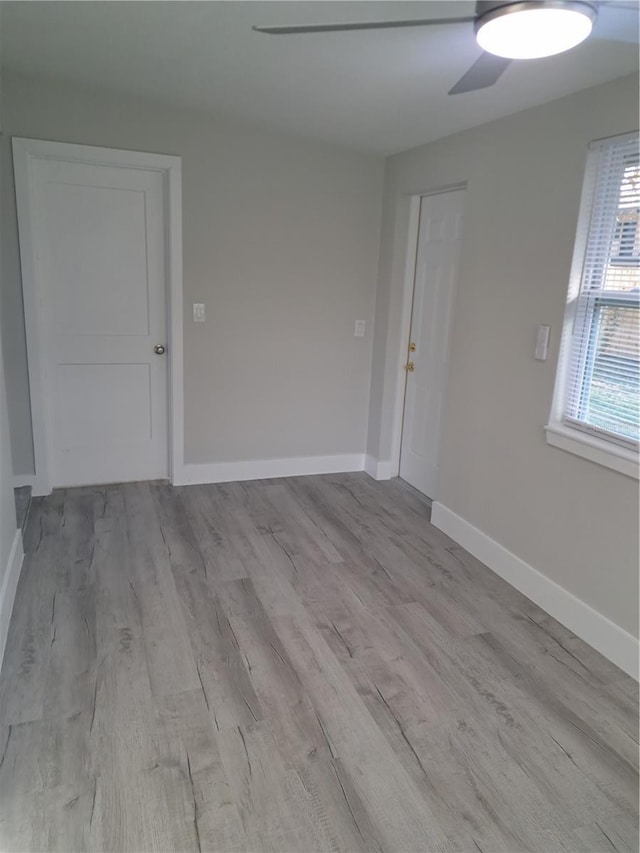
364, 25
484, 72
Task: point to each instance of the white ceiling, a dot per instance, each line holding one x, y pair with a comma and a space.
380, 91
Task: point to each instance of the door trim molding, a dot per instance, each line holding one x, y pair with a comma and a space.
379, 470
25, 151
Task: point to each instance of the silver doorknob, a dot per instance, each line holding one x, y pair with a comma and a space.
159, 349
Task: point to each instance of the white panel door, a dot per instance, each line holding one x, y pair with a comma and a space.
100, 265
433, 298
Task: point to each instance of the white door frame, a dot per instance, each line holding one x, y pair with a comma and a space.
25, 151
415, 201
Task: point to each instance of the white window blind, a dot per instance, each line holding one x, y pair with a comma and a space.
602, 386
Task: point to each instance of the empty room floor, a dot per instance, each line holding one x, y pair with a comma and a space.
296, 665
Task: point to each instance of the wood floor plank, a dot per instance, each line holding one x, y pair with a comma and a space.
215, 526
169, 655
188, 752
616, 834
222, 673
270, 797
296, 665
22, 687
390, 798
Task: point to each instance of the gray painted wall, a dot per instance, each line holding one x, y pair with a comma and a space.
574, 521
7, 506
280, 243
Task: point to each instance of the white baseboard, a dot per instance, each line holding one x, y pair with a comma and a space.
8, 589
597, 630
267, 469
39, 487
376, 469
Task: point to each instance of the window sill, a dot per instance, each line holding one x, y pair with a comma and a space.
595, 449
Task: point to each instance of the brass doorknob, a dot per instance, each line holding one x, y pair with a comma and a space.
410, 367
412, 346
159, 349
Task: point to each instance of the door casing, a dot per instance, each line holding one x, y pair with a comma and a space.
25, 152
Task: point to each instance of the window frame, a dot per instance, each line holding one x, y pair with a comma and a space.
588, 442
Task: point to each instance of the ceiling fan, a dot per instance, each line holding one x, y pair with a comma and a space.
504, 30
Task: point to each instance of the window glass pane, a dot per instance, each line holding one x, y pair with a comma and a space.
612, 377
622, 270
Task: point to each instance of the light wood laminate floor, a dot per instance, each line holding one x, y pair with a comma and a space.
290, 666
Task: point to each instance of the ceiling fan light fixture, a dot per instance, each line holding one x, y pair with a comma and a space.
529, 30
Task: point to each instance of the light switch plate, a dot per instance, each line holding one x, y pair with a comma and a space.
542, 343
198, 312
359, 329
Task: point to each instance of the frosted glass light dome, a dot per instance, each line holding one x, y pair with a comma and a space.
529, 30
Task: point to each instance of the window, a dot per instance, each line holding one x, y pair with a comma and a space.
596, 408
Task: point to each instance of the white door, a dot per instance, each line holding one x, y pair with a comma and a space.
99, 265
428, 349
